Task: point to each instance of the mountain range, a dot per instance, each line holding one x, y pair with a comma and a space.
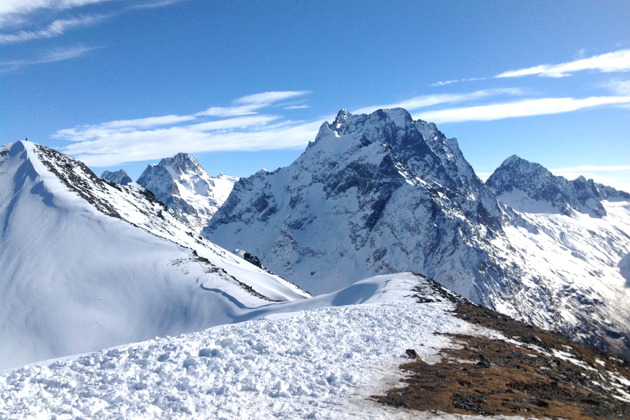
381, 193
372, 194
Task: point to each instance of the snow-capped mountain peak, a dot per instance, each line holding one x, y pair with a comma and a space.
380, 193
529, 186
187, 189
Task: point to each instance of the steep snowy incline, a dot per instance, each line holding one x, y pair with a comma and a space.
88, 264
380, 193
187, 189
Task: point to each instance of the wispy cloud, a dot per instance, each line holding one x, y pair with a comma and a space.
523, 108
296, 107
237, 127
448, 82
56, 28
248, 105
619, 87
432, 100
59, 54
617, 61
592, 168
155, 4
11, 10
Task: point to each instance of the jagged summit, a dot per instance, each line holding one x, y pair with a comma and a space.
118, 177
347, 194
529, 186
186, 188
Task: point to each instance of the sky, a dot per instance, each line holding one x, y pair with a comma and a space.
245, 85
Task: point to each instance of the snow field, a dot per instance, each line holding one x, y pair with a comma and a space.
321, 363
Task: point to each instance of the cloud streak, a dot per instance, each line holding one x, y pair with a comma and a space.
432, 100
56, 28
524, 108
617, 61
238, 127
15, 10
51, 56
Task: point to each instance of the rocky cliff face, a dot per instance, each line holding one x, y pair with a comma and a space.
118, 177
369, 195
187, 189
382, 193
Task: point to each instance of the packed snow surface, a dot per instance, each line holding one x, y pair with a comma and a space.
307, 360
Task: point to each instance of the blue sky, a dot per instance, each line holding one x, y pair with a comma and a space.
244, 85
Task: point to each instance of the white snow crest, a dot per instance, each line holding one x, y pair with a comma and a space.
321, 363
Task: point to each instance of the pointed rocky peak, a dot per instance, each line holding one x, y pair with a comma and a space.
187, 189
183, 162
530, 187
119, 177
518, 173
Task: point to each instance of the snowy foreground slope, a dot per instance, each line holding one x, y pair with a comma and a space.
319, 358
381, 193
86, 264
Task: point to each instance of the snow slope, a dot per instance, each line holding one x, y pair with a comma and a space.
187, 189
319, 358
87, 264
380, 193
323, 362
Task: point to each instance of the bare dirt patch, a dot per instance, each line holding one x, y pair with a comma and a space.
544, 375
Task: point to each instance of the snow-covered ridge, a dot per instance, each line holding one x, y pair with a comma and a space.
88, 264
318, 358
187, 189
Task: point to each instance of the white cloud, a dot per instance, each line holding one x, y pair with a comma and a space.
119, 147
619, 87
430, 100
119, 141
617, 61
592, 168
248, 105
448, 82
296, 107
524, 108
51, 56
56, 28
11, 10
